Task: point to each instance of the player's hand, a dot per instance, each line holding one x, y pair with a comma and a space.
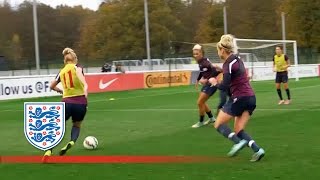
213, 81
59, 91
197, 85
203, 81
274, 69
86, 93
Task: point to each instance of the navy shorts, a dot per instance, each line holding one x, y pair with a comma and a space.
282, 77
209, 90
236, 106
76, 111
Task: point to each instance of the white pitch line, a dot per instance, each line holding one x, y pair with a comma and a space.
296, 109
306, 87
182, 92
142, 96
175, 109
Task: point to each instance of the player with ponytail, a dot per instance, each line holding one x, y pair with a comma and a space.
242, 102
74, 94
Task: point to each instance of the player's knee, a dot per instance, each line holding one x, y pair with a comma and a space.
77, 124
200, 102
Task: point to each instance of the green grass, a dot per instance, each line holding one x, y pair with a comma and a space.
158, 121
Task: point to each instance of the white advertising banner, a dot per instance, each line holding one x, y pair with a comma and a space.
304, 71
38, 86
26, 87
266, 73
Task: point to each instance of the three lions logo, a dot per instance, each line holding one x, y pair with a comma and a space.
44, 124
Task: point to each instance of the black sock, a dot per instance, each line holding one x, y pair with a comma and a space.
209, 114
201, 118
279, 94
75, 131
226, 132
251, 142
288, 93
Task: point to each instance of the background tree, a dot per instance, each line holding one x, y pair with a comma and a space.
211, 26
303, 21
258, 19
117, 29
303, 25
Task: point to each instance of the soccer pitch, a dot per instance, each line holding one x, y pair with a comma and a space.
158, 122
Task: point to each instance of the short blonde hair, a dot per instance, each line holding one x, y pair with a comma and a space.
228, 43
69, 55
199, 48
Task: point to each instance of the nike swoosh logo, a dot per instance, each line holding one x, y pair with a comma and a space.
105, 85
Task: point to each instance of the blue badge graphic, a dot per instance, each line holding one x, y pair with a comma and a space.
44, 123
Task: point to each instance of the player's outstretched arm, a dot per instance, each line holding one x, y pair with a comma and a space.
54, 87
218, 68
224, 85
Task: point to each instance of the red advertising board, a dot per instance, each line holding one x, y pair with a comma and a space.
114, 82
319, 70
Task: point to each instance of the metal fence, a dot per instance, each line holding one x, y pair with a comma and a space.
9, 67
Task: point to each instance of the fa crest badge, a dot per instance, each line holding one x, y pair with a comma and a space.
44, 123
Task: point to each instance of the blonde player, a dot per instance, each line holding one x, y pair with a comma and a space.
207, 70
242, 102
74, 95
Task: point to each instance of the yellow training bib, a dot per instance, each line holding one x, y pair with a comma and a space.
280, 63
72, 86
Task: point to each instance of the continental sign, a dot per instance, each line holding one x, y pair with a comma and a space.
166, 79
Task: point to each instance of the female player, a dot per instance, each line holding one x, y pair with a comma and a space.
207, 70
281, 63
242, 102
74, 95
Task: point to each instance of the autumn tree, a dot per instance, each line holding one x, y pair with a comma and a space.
16, 49
258, 19
303, 21
7, 17
303, 25
211, 27
119, 30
